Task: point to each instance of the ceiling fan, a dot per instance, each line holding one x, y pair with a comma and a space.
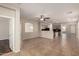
43, 18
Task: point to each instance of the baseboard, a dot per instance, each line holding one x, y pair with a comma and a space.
30, 38
16, 51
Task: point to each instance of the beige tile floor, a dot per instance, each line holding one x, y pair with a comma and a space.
49, 47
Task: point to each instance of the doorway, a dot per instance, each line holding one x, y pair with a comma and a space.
56, 30
4, 35
12, 13
69, 30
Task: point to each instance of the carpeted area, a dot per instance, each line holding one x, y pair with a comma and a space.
4, 46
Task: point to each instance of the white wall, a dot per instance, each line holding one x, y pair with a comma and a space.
28, 35
4, 28
70, 27
37, 32
46, 34
78, 30
73, 29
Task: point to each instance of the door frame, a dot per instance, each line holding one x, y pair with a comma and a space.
15, 27
10, 30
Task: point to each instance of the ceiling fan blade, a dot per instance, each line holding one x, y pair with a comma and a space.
47, 18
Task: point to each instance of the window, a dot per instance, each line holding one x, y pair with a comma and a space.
28, 27
63, 27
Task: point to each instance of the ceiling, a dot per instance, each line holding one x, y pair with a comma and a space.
58, 12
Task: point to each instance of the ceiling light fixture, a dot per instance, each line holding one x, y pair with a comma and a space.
41, 19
